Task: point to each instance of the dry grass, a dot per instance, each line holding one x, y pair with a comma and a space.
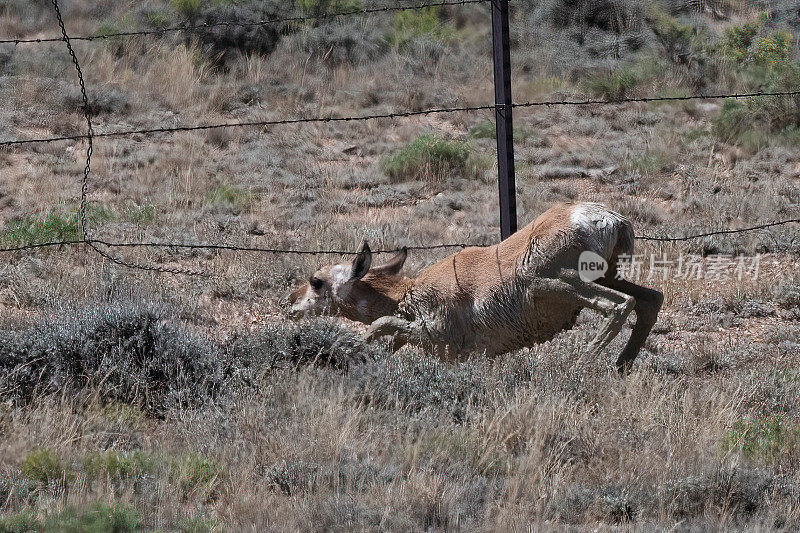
702, 435
541, 438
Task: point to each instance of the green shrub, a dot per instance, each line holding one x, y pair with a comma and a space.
55, 227
733, 122
757, 57
750, 123
773, 48
484, 130
197, 525
193, 473
613, 85
159, 18
622, 82
126, 23
767, 439
678, 38
780, 112
22, 522
488, 130
116, 465
430, 158
736, 40
139, 214
318, 7
650, 162
749, 43
696, 133
187, 8
99, 518
411, 24
45, 466
231, 197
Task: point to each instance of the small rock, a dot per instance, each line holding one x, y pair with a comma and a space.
256, 229
708, 107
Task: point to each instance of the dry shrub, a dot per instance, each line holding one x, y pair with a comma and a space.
130, 352
141, 354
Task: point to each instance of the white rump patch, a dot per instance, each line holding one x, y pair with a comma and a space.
597, 226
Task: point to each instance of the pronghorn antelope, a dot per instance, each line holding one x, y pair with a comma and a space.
495, 299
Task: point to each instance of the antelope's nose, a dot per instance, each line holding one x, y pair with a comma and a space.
295, 313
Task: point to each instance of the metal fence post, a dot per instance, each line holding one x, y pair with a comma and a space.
503, 118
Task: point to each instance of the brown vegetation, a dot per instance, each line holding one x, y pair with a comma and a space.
305, 427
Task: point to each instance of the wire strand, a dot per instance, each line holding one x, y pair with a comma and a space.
86, 114
394, 115
274, 250
719, 232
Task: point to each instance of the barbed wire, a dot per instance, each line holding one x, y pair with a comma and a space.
226, 247
232, 247
393, 115
36, 246
291, 251
262, 22
171, 129
87, 115
718, 232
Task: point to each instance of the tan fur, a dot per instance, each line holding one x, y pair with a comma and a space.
495, 299
382, 291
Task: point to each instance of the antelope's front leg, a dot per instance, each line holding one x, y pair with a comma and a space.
402, 331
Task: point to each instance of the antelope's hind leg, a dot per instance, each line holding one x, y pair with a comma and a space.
613, 304
648, 304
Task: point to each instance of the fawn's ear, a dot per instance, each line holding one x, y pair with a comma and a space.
362, 262
394, 264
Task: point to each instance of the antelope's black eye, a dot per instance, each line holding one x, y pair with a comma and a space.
316, 283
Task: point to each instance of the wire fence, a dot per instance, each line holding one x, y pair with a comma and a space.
274, 250
102, 247
226, 247
393, 115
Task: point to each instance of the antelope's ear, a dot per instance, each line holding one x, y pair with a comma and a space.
362, 262
394, 264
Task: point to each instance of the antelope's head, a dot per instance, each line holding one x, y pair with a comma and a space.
353, 289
